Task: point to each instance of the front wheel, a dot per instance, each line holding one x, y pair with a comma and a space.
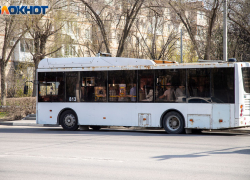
68, 120
173, 123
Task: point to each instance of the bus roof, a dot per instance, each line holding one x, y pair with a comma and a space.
93, 62
116, 63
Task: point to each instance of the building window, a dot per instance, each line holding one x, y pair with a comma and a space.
69, 50
26, 45
169, 27
199, 30
200, 14
87, 33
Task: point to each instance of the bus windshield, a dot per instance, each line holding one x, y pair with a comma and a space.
246, 79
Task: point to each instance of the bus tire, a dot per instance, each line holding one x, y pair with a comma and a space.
173, 123
96, 128
68, 120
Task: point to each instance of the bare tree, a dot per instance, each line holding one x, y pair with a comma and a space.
96, 16
157, 42
239, 11
211, 15
126, 19
41, 28
40, 31
186, 12
130, 13
12, 31
239, 30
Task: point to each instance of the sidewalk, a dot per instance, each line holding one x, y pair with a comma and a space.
24, 123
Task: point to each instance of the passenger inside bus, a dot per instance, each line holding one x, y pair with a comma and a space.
132, 93
169, 93
142, 94
201, 91
180, 93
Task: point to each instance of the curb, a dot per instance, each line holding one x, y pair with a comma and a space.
230, 131
27, 124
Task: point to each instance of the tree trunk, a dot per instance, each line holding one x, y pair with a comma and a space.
3, 80
212, 17
208, 48
35, 78
188, 27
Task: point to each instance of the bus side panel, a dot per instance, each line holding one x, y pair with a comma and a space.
221, 116
242, 117
108, 114
125, 114
239, 94
128, 114
45, 116
232, 117
199, 116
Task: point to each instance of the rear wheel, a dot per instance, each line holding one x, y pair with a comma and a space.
173, 123
68, 120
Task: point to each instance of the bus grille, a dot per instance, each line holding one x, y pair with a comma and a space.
247, 108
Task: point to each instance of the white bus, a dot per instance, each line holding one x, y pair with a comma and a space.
110, 91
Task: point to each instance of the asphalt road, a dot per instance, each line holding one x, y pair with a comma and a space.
51, 153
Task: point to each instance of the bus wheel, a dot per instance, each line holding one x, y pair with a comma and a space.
96, 128
173, 123
69, 121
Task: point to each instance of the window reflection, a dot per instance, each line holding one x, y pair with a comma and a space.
94, 86
222, 85
146, 85
199, 85
171, 85
122, 86
51, 87
207, 85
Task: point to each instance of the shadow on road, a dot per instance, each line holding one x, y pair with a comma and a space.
235, 150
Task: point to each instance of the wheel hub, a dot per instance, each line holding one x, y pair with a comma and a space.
173, 123
69, 120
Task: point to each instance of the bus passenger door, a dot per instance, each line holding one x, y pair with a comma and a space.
72, 87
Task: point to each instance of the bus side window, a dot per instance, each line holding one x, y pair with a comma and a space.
93, 86
48, 87
222, 82
146, 85
171, 85
199, 85
41, 86
122, 86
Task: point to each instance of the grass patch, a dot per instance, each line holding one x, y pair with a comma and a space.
3, 115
